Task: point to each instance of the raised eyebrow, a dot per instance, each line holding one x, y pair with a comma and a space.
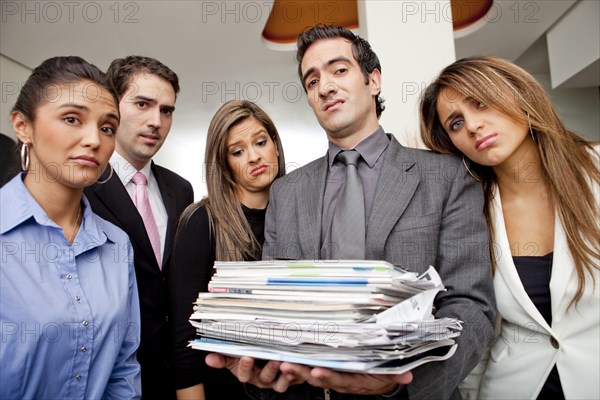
87, 109
153, 101
338, 59
144, 98
233, 145
236, 143
259, 131
452, 115
307, 73
329, 63
113, 116
76, 105
254, 134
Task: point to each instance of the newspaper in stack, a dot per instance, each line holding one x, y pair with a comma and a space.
355, 316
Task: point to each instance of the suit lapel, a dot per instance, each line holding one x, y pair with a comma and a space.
310, 204
397, 184
168, 198
505, 267
563, 268
116, 199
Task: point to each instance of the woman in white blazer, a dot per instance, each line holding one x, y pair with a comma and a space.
542, 186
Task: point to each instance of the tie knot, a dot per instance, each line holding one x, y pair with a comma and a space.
139, 179
349, 157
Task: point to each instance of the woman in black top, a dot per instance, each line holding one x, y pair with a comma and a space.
243, 157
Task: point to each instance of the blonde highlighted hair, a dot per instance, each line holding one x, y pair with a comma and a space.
567, 161
230, 229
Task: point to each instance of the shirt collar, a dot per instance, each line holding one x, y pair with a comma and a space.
125, 170
92, 232
370, 149
24, 207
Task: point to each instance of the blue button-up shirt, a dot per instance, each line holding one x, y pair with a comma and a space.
69, 315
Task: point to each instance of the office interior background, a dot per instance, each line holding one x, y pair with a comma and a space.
245, 49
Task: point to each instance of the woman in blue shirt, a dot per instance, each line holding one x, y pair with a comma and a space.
69, 311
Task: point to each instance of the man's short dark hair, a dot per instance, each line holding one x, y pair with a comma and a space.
361, 50
122, 71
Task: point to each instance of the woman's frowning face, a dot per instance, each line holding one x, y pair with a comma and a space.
483, 134
72, 135
252, 156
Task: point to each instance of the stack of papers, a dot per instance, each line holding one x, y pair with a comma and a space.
356, 316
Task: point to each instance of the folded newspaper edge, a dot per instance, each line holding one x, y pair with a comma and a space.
397, 366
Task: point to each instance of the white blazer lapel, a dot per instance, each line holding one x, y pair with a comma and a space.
506, 269
563, 269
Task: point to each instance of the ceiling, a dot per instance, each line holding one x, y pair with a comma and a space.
218, 52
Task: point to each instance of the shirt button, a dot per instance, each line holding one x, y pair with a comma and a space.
554, 342
77, 377
85, 323
77, 298
167, 318
83, 349
69, 276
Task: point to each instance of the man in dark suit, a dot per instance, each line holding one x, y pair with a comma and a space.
420, 209
147, 91
9, 159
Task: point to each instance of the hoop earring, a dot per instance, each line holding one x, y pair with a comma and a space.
25, 157
469, 171
110, 174
530, 130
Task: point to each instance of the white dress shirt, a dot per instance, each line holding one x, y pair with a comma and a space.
125, 172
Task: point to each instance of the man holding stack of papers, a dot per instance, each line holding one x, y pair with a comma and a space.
366, 316
371, 198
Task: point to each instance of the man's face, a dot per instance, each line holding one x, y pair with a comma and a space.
146, 116
336, 89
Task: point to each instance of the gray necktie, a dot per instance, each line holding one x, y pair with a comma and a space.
348, 228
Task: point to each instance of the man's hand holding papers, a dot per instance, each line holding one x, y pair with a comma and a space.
246, 370
355, 327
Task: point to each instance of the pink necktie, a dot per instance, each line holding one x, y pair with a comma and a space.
142, 203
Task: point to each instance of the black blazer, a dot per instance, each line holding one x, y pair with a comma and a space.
112, 202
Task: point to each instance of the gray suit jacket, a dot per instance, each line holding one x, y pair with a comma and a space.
427, 211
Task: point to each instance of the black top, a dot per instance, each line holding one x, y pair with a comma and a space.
535, 273
191, 270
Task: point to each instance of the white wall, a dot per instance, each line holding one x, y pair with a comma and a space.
12, 78
574, 45
577, 107
414, 41
412, 38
